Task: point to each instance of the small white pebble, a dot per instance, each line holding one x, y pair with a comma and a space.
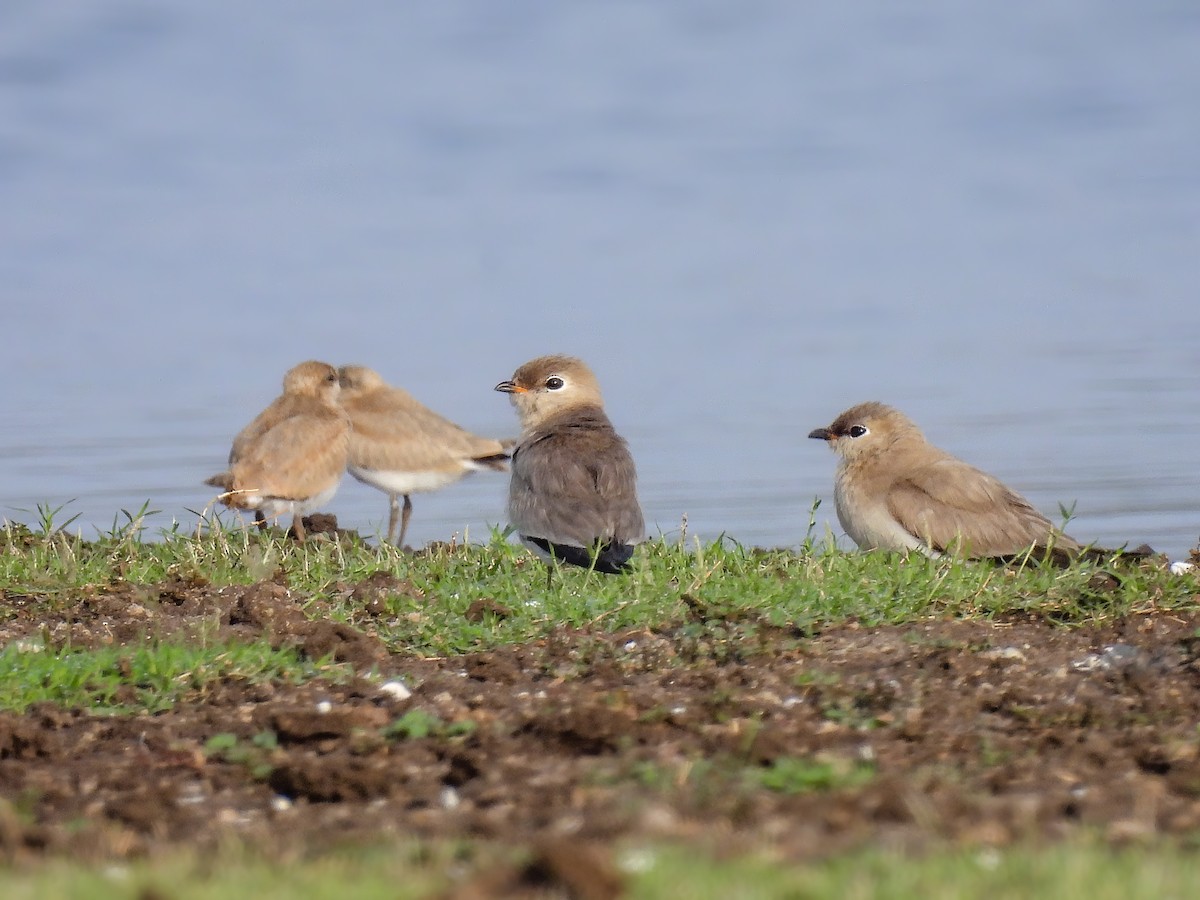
450, 798
280, 803
240, 818
191, 795
1181, 568
396, 690
634, 862
789, 702
678, 710
1112, 657
1013, 653
324, 706
630, 646
989, 859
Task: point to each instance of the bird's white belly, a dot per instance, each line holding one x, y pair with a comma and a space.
275, 507
401, 482
872, 526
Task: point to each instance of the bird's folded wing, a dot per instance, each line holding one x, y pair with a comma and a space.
296, 459
414, 439
453, 436
952, 506
279, 409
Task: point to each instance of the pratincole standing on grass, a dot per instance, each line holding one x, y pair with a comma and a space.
573, 492
896, 491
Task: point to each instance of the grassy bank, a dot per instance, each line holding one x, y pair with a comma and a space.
800, 589
719, 606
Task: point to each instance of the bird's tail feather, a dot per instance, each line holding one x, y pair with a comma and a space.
496, 461
611, 558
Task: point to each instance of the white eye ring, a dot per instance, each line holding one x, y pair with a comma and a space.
555, 383
857, 431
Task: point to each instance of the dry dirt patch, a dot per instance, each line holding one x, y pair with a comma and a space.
969, 732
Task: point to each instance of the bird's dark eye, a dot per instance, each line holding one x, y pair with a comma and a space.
554, 382
857, 431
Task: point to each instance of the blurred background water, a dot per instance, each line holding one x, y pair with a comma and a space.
745, 216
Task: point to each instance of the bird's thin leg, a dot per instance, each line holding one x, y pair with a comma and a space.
393, 517
298, 528
404, 517
260, 519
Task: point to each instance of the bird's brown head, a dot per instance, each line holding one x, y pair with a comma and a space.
548, 385
356, 380
866, 429
312, 379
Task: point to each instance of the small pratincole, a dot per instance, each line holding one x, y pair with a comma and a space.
403, 448
896, 491
290, 459
573, 492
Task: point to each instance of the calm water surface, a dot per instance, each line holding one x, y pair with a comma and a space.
746, 216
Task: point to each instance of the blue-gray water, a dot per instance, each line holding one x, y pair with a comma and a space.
746, 216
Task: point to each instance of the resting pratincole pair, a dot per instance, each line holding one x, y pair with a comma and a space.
896, 491
292, 456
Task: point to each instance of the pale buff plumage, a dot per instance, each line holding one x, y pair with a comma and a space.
896, 491
573, 492
402, 447
291, 457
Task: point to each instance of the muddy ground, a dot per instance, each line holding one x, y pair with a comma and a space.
723, 731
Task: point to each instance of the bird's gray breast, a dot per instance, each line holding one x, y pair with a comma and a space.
575, 485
